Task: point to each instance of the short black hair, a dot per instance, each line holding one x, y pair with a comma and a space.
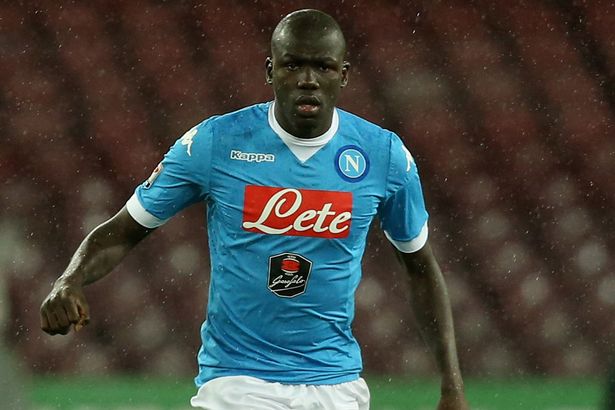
306, 22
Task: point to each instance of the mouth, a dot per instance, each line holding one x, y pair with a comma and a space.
308, 105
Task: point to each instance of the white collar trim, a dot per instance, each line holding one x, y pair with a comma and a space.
293, 141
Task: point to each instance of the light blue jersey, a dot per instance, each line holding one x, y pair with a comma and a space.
287, 221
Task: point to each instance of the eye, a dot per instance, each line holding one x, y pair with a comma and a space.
324, 68
291, 66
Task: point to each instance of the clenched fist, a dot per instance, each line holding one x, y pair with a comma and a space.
64, 306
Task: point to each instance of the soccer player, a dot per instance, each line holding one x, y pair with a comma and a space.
291, 187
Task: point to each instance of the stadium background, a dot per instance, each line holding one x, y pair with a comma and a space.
507, 108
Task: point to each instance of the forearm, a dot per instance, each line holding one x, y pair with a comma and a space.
103, 249
432, 309
95, 258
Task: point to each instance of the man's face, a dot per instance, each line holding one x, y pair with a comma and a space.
307, 74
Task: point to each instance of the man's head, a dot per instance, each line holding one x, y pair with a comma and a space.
307, 71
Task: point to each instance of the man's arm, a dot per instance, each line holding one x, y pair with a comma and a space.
100, 252
432, 309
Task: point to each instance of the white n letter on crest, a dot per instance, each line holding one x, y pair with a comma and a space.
352, 162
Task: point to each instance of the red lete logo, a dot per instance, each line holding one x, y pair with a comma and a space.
297, 212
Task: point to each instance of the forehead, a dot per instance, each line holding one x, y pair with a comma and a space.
309, 45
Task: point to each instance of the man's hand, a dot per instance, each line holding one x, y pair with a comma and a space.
453, 401
64, 306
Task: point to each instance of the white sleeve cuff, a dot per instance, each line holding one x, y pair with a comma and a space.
413, 245
140, 214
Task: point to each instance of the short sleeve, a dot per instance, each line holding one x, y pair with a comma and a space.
180, 180
403, 216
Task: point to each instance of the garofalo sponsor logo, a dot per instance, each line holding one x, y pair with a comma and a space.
288, 274
251, 156
297, 212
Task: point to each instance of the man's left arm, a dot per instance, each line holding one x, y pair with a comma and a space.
432, 309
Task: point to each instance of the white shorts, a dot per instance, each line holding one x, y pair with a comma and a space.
250, 393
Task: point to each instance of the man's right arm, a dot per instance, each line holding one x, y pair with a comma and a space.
100, 252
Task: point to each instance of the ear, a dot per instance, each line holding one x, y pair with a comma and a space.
269, 70
345, 73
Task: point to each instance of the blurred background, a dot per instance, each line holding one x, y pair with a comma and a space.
508, 108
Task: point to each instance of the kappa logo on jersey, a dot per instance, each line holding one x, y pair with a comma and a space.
297, 212
351, 163
187, 139
288, 274
251, 156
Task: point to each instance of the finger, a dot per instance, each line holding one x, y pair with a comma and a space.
61, 328
79, 325
72, 312
53, 328
83, 321
53, 323
84, 316
84, 312
62, 318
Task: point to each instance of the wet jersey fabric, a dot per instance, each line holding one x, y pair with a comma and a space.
286, 237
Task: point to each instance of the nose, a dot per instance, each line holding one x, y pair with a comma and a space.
307, 79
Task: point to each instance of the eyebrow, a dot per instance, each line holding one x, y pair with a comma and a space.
326, 59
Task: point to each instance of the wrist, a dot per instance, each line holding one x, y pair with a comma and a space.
452, 384
69, 280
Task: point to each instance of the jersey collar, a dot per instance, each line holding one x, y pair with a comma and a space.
290, 139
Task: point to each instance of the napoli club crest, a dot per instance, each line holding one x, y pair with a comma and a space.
288, 274
351, 163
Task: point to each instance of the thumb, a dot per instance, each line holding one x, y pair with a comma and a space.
84, 316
